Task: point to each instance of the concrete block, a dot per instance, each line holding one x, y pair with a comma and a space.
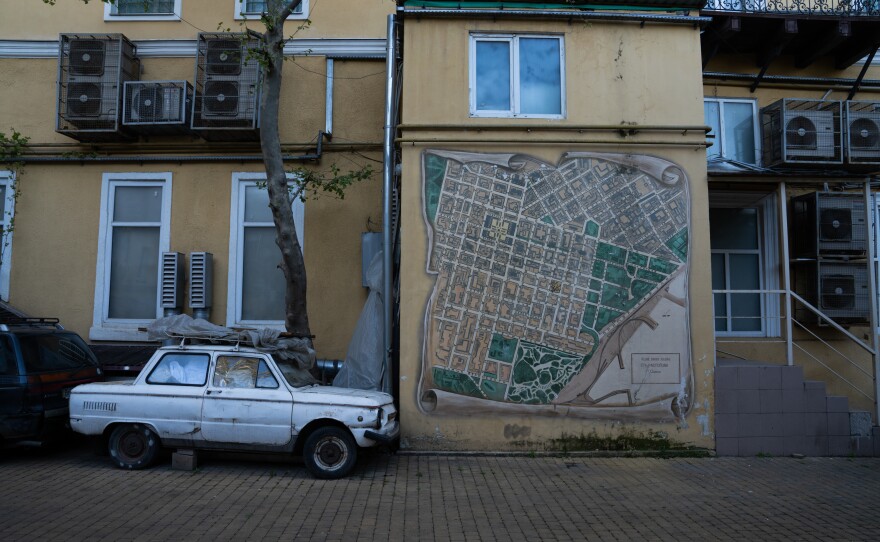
816, 446
748, 378
184, 459
771, 400
815, 424
838, 424
725, 401
725, 378
862, 446
814, 385
792, 377
749, 446
772, 426
771, 378
774, 446
814, 400
793, 424
839, 446
749, 425
726, 425
728, 447
748, 401
794, 445
860, 423
793, 400
837, 403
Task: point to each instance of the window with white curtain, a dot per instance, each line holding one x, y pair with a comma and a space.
253, 9
7, 211
517, 76
256, 282
134, 231
734, 124
142, 10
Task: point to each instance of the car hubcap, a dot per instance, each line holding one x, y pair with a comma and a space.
133, 444
331, 452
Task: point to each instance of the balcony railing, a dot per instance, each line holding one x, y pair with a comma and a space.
829, 8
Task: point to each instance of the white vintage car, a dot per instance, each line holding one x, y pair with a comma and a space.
231, 398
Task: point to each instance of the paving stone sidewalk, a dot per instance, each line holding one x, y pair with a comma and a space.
74, 494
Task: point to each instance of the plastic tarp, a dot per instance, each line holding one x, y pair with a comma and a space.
363, 362
295, 358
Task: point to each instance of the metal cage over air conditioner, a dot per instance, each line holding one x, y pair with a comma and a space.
92, 69
829, 224
227, 89
157, 107
863, 132
839, 289
796, 131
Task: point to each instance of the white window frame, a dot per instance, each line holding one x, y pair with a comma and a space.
768, 261
241, 15
874, 237
7, 211
719, 137
240, 181
513, 112
110, 14
124, 329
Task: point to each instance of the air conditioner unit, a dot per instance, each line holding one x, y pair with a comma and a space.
829, 224
863, 132
157, 107
802, 132
227, 90
92, 69
838, 289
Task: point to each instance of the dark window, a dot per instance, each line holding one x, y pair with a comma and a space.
54, 352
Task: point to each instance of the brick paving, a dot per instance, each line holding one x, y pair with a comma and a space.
73, 494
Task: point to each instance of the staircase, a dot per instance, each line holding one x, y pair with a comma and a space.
764, 409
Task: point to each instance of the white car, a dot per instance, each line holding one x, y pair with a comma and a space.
231, 398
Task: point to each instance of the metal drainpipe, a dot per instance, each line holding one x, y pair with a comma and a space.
387, 178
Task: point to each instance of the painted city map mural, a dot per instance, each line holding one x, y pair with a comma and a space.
559, 289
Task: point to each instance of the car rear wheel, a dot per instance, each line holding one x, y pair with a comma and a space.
133, 446
330, 453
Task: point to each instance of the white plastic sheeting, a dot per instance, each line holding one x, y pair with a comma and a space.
294, 356
363, 362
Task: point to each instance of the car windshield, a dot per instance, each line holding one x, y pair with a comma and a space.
55, 351
296, 377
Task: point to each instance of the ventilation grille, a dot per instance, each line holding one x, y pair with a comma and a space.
201, 275
802, 132
172, 280
92, 69
157, 106
100, 406
863, 132
227, 89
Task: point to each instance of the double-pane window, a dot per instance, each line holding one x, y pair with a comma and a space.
517, 76
734, 128
252, 9
736, 265
142, 10
7, 209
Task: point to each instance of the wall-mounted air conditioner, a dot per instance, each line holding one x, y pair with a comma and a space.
227, 90
829, 224
172, 282
863, 132
838, 289
92, 69
802, 132
157, 107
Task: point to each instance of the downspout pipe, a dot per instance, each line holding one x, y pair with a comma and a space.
387, 188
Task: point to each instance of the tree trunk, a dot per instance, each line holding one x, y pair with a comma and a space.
292, 264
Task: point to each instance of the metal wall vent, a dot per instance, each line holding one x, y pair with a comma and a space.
201, 279
172, 280
158, 107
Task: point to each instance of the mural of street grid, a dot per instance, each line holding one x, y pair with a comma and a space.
537, 266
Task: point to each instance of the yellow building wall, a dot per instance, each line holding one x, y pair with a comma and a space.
615, 75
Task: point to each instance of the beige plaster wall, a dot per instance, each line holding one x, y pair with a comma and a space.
615, 73
56, 241
33, 20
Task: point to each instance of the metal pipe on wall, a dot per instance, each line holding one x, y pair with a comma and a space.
387, 185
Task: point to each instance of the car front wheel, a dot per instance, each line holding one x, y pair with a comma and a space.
330, 453
133, 446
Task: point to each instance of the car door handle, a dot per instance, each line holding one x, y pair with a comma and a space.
214, 391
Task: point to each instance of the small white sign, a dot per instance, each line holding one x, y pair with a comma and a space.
656, 368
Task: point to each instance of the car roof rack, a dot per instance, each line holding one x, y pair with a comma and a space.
9, 319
